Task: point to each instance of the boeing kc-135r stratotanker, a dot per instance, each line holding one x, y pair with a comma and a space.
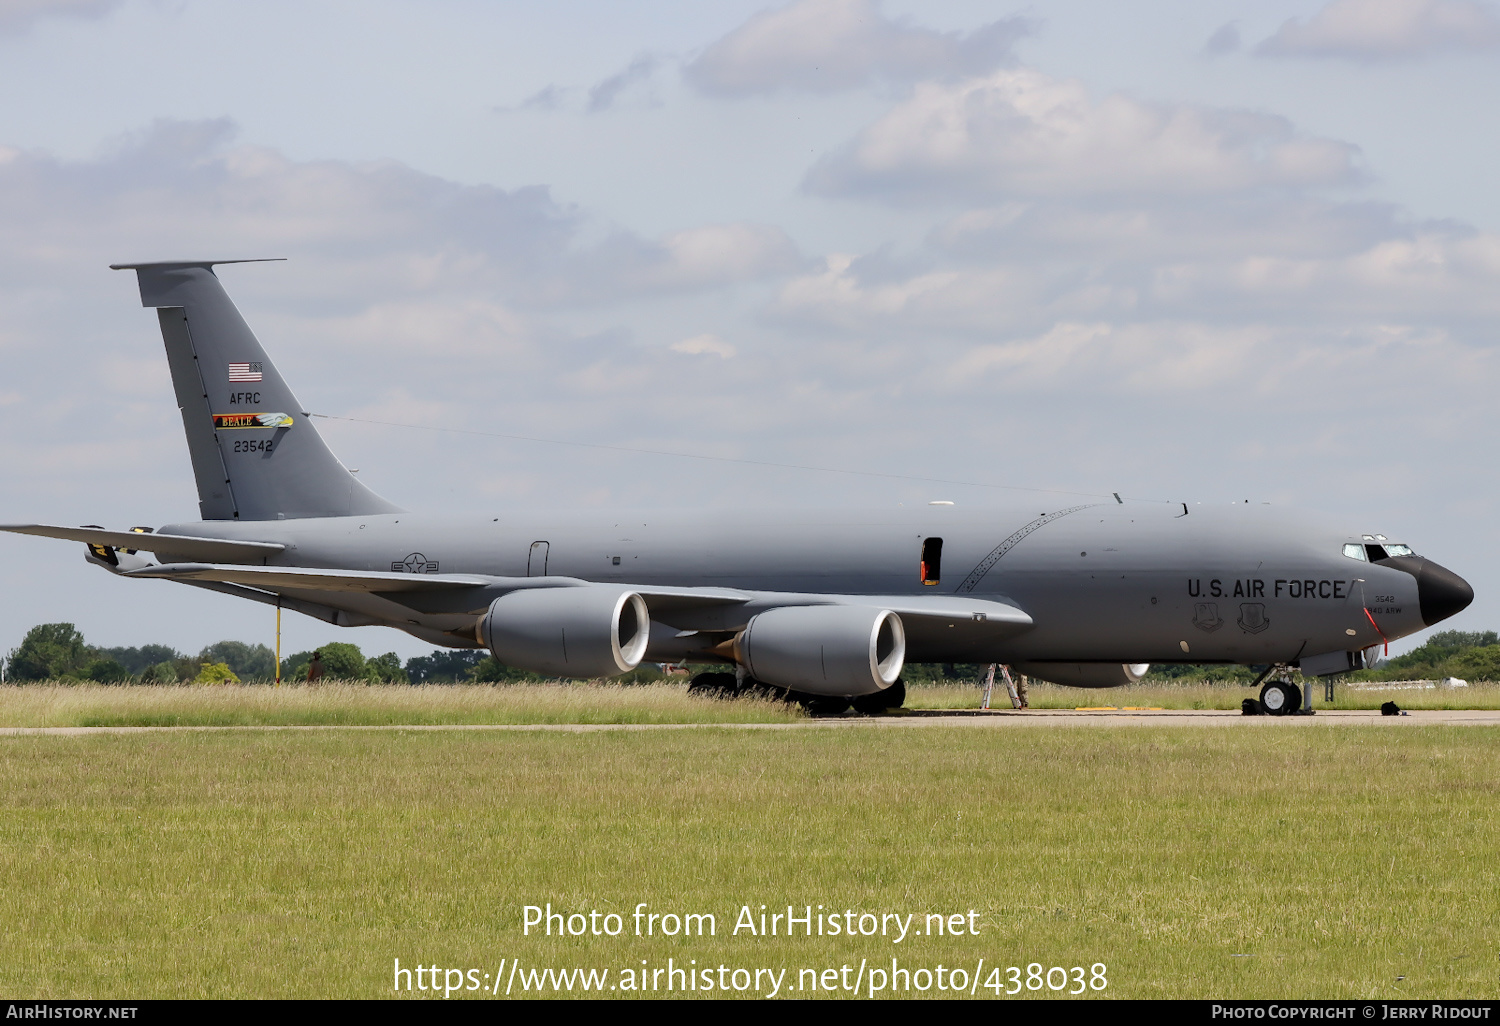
824, 604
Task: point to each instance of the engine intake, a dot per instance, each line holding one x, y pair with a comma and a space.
824, 650
590, 631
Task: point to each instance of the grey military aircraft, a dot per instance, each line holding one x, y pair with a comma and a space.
823, 605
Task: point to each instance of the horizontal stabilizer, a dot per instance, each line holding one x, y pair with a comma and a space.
177, 544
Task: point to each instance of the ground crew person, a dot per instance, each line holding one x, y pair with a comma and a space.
315, 668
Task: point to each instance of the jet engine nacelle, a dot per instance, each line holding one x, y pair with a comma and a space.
824, 650
1085, 675
591, 631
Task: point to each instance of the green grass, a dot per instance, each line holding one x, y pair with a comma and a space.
227, 864
334, 704
96, 705
1197, 695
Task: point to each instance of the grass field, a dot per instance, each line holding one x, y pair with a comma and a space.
96, 705
92, 705
1484, 695
1192, 862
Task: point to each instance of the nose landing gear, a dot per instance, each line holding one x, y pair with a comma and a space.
1280, 698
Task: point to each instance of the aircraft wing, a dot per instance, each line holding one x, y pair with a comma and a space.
936, 611
272, 578
376, 582
948, 609
177, 544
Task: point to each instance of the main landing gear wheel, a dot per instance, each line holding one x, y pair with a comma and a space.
713, 685
820, 705
1280, 698
893, 697
765, 692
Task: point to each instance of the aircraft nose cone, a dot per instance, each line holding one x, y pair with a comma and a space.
1440, 591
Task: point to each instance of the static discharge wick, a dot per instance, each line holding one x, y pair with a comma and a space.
721, 459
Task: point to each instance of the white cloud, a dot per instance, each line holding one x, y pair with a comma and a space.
548, 98
19, 15
405, 290
1226, 39
1021, 133
1437, 277
1148, 357
604, 94
1167, 228
180, 188
830, 45
703, 257
1017, 271
726, 252
999, 296
699, 345
1376, 29
452, 326
1157, 297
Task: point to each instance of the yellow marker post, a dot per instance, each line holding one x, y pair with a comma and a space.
278, 641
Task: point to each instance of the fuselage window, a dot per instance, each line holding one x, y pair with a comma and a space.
1354, 551
932, 560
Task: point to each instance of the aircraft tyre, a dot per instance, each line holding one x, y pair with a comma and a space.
893, 697
819, 705
713, 685
765, 692
1280, 699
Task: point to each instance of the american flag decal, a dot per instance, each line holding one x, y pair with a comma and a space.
244, 372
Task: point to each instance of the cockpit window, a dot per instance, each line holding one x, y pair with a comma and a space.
1376, 548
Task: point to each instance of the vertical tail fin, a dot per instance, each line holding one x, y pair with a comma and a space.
255, 453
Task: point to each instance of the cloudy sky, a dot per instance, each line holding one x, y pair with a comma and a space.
1195, 251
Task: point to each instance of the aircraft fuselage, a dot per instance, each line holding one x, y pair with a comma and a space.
1133, 583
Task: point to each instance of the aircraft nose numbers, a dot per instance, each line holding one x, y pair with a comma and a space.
1306, 588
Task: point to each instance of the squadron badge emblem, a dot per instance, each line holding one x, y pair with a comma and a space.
1206, 616
1253, 617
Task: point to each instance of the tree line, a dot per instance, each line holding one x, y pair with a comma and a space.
1467, 655
59, 652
